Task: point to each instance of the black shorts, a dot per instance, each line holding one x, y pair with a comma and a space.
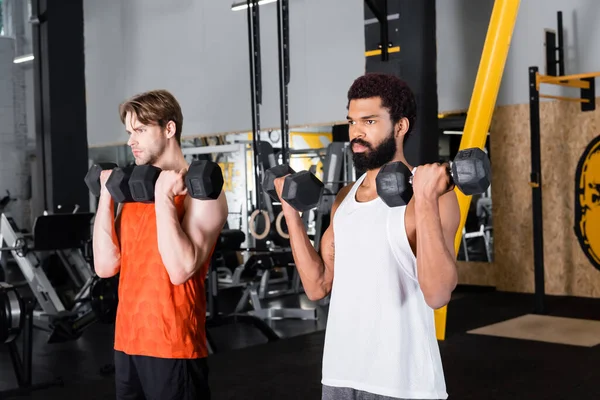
149, 378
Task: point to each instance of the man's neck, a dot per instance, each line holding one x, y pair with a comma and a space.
172, 160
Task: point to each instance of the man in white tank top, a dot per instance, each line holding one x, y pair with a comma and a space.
387, 268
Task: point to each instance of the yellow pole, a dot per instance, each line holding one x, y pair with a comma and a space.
483, 102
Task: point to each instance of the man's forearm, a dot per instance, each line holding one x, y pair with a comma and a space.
309, 263
435, 264
105, 243
176, 249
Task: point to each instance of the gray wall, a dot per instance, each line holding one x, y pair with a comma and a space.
198, 50
462, 26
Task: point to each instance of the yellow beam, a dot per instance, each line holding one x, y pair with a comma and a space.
574, 83
377, 52
556, 80
483, 102
549, 96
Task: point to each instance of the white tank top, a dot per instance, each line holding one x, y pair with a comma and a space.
380, 335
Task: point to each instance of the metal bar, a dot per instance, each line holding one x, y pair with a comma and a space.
381, 15
549, 96
483, 102
40, 71
581, 84
225, 148
254, 53
377, 52
550, 45
560, 45
284, 74
561, 79
536, 191
390, 17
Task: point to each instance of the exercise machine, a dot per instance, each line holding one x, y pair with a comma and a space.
16, 320
229, 239
69, 295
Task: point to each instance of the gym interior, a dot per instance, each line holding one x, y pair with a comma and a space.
262, 84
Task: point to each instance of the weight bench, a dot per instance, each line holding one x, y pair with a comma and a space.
229, 239
256, 290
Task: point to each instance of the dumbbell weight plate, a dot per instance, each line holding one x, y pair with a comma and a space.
204, 180
471, 171
92, 178
302, 190
118, 184
104, 296
142, 182
394, 184
273, 173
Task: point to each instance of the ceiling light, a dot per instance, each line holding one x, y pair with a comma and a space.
22, 59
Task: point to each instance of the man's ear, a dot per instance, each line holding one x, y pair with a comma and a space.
402, 126
171, 129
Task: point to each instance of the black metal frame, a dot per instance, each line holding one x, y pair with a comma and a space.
283, 37
255, 91
60, 110
22, 363
554, 43
536, 191
379, 9
554, 65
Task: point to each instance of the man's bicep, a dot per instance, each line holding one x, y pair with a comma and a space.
450, 218
204, 222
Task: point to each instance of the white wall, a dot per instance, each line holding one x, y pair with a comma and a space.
199, 51
462, 26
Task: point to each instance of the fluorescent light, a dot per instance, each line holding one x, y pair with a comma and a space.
243, 5
22, 59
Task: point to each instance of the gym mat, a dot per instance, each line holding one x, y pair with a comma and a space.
545, 328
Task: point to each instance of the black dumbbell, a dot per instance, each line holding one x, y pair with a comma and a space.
118, 184
470, 172
203, 180
92, 178
302, 190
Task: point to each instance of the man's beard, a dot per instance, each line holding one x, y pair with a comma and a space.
374, 158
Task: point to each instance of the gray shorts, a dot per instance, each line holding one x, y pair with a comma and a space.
342, 393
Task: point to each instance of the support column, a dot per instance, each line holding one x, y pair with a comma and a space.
412, 27
61, 124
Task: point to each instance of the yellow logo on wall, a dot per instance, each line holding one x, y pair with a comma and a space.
587, 202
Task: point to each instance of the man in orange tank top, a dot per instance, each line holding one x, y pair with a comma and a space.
161, 251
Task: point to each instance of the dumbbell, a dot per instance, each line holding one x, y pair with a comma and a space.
204, 180
302, 190
470, 172
92, 178
117, 183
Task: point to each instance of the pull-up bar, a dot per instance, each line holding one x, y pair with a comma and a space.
587, 85
567, 80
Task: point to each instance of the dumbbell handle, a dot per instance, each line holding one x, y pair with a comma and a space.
448, 170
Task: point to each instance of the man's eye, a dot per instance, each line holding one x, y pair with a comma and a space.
370, 122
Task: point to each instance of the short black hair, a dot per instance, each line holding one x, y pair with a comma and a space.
395, 95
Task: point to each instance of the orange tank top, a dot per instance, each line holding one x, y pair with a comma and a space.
154, 317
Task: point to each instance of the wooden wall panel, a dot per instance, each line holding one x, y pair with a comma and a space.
565, 133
